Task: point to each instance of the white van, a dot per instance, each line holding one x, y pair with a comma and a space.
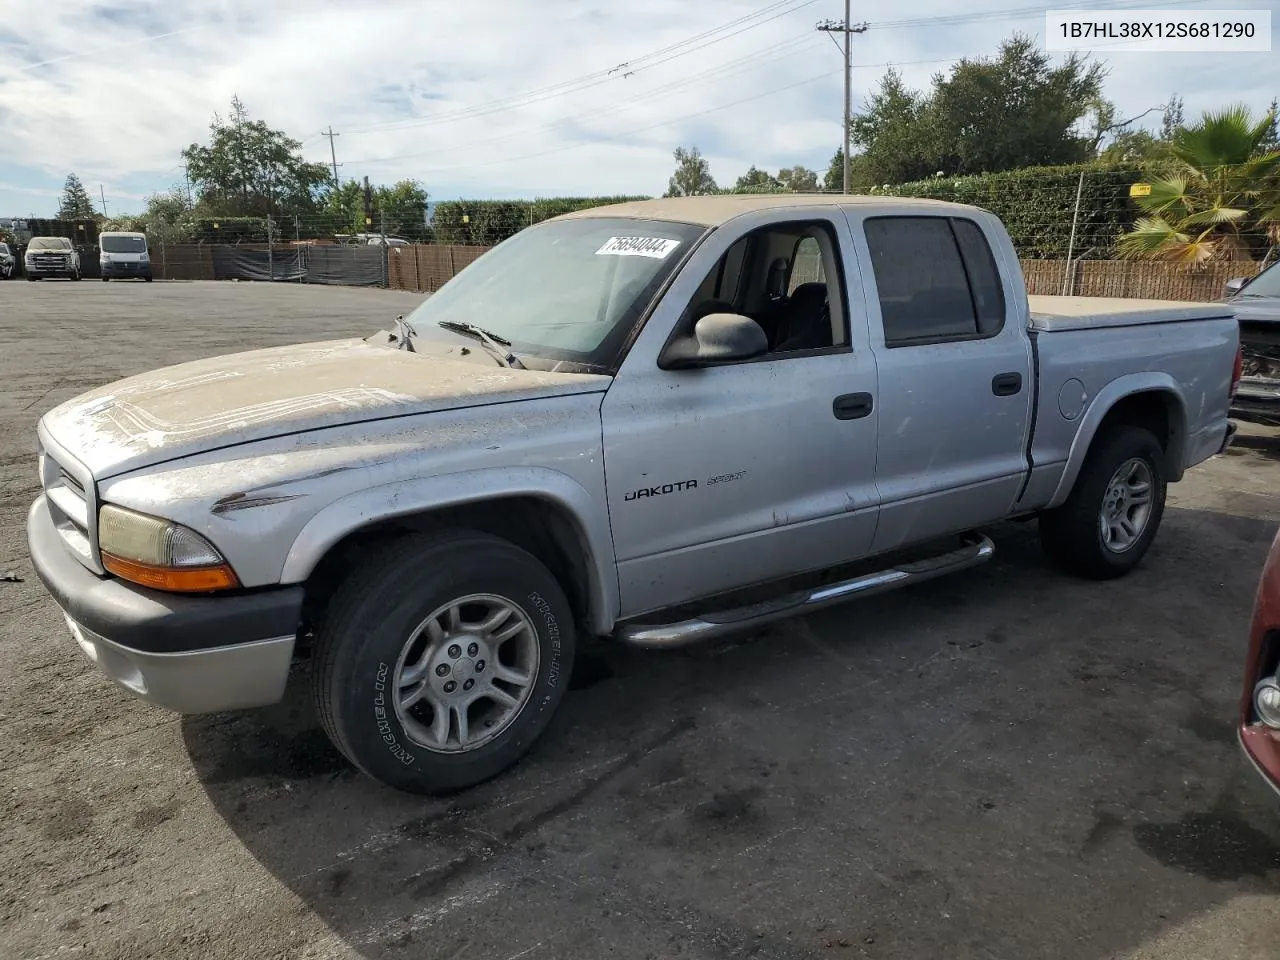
124, 255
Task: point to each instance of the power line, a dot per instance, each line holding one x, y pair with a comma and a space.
729, 68
586, 81
663, 123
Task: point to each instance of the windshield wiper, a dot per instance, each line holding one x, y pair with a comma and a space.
498, 346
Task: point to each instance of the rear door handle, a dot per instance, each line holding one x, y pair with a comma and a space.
852, 406
1006, 384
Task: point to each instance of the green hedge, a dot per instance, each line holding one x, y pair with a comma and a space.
1037, 204
492, 221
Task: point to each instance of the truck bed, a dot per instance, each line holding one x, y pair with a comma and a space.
1053, 314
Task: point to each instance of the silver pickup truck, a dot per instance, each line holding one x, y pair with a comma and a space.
655, 422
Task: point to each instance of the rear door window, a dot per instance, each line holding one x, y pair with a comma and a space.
936, 279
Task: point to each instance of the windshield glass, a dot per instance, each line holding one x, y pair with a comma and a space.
49, 243
565, 290
1265, 284
123, 244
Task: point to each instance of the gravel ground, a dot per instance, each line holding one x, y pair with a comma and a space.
1004, 764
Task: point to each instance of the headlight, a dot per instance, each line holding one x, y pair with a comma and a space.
145, 257
106, 258
159, 553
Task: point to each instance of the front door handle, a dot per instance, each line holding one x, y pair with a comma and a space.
1006, 384
852, 406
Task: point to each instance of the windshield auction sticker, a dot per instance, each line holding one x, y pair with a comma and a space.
656, 247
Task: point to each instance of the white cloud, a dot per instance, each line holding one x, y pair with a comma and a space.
411, 85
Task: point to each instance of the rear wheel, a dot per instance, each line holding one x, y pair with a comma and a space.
441, 660
1106, 525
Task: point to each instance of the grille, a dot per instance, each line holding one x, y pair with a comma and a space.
68, 490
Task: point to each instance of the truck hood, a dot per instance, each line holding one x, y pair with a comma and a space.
223, 401
1257, 309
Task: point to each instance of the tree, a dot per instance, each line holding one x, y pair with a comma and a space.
1016, 110
1220, 202
1134, 147
989, 114
1171, 122
171, 207
75, 203
1271, 141
896, 133
798, 179
834, 178
757, 181
249, 169
400, 209
693, 175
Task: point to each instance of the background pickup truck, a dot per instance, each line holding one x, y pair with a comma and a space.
655, 422
51, 257
1256, 303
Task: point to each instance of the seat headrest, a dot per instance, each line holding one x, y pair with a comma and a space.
809, 295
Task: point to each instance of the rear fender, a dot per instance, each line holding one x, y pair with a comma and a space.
1106, 400
414, 497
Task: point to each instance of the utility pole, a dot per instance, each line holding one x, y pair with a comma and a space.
848, 29
103, 193
333, 156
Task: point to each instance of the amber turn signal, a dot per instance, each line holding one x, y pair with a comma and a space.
173, 579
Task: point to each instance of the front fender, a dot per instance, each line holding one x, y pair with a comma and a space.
407, 497
1103, 403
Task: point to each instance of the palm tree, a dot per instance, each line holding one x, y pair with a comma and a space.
1223, 186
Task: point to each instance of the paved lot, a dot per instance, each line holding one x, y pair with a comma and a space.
1004, 764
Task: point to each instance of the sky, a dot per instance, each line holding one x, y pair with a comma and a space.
492, 99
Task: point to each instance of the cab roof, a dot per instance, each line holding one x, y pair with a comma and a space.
711, 211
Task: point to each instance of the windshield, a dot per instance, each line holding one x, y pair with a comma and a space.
49, 243
123, 244
565, 290
1265, 284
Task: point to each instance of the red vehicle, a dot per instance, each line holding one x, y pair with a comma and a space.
1260, 702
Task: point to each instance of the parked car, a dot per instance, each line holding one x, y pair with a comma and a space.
51, 257
1259, 727
8, 263
124, 255
1257, 305
632, 422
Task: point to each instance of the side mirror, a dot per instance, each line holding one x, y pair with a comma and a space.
1234, 286
717, 338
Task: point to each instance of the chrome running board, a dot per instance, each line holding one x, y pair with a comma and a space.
977, 549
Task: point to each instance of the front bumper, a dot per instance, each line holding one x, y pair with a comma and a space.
115, 270
190, 654
1262, 748
1257, 399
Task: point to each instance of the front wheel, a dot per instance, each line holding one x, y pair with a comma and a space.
441, 660
1106, 525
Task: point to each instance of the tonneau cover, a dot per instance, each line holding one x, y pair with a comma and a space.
1086, 313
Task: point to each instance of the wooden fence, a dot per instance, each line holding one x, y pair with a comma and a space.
1134, 279
424, 268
